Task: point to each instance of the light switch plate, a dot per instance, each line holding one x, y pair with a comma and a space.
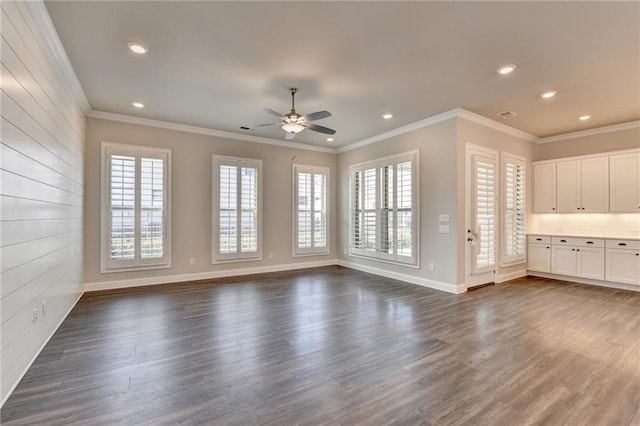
443, 218
444, 229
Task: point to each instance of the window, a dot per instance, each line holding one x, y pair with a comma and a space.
514, 217
237, 209
136, 226
310, 215
383, 209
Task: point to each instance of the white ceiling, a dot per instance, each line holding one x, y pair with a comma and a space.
218, 64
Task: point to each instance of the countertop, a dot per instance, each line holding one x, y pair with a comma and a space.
601, 237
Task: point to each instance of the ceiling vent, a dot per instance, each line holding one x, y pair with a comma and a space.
507, 114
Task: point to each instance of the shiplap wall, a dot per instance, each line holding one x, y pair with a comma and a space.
41, 186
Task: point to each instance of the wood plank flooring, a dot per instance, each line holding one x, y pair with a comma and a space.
338, 346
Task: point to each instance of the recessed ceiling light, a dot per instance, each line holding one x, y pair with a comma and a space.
549, 94
138, 104
506, 69
138, 48
329, 139
584, 117
387, 116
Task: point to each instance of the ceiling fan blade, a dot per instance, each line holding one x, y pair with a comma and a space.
320, 129
272, 112
289, 136
255, 126
317, 116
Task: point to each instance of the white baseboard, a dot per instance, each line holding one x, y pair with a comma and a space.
168, 279
621, 286
511, 276
64, 317
438, 285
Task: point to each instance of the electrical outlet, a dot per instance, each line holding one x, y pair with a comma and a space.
35, 315
192, 261
432, 267
44, 308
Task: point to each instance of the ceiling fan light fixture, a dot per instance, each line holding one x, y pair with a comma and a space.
292, 128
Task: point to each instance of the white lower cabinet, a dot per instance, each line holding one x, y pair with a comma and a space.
563, 260
623, 261
569, 256
590, 263
539, 253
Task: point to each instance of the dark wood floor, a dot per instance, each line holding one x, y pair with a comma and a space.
337, 346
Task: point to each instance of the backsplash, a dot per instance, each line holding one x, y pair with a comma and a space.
589, 224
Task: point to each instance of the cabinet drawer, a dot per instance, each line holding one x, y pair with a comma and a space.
540, 239
578, 242
624, 244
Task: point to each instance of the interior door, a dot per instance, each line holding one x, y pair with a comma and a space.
480, 212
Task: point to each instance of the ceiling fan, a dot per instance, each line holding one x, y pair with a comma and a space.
293, 123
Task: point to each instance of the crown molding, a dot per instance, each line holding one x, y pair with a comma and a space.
54, 49
502, 128
448, 115
591, 132
203, 131
454, 113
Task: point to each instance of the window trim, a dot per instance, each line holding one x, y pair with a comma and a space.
106, 149
520, 258
313, 251
216, 257
414, 260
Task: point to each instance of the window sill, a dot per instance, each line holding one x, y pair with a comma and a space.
390, 262
245, 259
134, 268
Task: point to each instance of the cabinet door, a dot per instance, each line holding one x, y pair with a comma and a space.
624, 182
568, 187
594, 185
539, 257
590, 263
623, 266
544, 188
563, 260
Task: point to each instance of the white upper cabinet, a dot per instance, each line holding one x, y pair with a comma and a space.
568, 187
624, 173
585, 184
594, 174
544, 188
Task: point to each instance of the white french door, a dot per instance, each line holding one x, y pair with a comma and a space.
481, 226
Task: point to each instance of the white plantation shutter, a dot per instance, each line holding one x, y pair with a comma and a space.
483, 213
122, 209
310, 209
369, 211
514, 219
236, 208
135, 230
404, 201
152, 190
383, 206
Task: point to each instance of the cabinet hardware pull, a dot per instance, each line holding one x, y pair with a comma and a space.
622, 244
573, 249
548, 247
589, 242
563, 241
577, 249
538, 239
583, 208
